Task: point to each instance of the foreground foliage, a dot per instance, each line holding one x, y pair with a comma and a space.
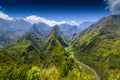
10, 69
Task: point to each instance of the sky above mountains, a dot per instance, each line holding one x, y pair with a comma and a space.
61, 11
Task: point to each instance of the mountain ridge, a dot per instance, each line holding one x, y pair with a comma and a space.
98, 45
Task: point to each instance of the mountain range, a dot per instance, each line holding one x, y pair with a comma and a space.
11, 30
90, 51
36, 51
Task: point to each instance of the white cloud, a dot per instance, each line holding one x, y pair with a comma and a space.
5, 16
113, 6
36, 19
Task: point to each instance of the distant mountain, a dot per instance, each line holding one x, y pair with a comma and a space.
17, 25
37, 30
11, 30
44, 26
99, 47
68, 31
84, 25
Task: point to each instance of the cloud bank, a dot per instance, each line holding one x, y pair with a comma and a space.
36, 19
5, 16
113, 6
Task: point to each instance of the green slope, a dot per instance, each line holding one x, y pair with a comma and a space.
54, 48
31, 59
29, 47
56, 55
98, 46
56, 34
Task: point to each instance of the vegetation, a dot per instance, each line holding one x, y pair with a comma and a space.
99, 47
39, 55
35, 58
11, 69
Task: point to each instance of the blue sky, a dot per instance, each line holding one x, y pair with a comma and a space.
58, 10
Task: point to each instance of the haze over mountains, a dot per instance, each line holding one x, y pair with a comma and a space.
12, 29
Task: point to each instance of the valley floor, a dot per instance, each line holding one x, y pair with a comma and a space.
84, 66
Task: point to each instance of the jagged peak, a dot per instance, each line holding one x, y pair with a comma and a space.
56, 28
56, 31
56, 34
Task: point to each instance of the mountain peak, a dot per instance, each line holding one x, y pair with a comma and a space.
56, 28
55, 31
56, 34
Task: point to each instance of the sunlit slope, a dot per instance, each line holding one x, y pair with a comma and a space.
99, 47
